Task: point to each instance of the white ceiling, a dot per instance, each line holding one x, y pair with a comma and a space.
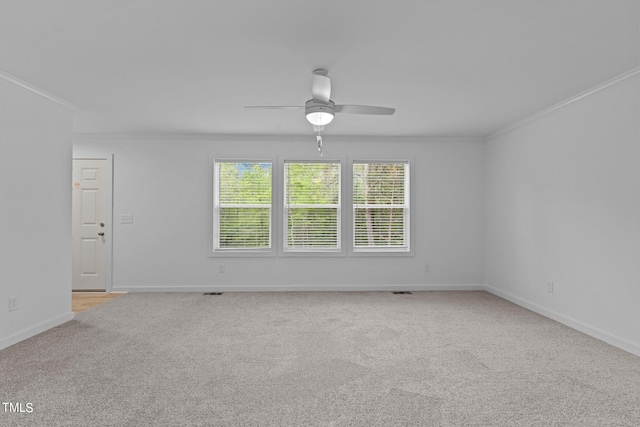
450, 67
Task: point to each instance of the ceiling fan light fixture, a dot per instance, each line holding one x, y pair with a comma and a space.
319, 113
319, 118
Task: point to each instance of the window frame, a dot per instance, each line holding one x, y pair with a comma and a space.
213, 219
409, 215
309, 252
278, 214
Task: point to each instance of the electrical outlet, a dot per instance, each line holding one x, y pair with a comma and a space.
126, 219
221, 268
550, 287
427, 268
13, 303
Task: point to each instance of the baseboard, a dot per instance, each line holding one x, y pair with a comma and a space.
568, 321
299, 288
35, 330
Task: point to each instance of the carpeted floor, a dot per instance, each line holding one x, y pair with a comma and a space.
317, 359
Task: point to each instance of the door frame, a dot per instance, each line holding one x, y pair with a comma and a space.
108, 192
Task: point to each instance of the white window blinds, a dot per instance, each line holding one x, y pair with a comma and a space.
242, 205
312, 206
381, 206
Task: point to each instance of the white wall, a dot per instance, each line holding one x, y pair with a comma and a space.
35, 212
164, 183
563, 205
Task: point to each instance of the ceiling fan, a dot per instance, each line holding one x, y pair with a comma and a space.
320, 109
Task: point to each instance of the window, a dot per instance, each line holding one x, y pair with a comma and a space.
242, 205
312, 206
381, 207
307, 217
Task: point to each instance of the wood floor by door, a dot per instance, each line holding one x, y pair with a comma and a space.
83, 301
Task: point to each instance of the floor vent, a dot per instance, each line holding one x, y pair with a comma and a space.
403, 293
212, 293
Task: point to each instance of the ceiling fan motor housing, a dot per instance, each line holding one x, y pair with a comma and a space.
314, 106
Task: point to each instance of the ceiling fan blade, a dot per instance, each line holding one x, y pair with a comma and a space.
321, 88
364, 109
275, 107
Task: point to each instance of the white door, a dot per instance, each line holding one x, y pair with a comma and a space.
89, 225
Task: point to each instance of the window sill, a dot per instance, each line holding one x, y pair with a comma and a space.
380, 253
312, 254
242, 253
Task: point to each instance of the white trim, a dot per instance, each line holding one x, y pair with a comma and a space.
381, 206
35, 330
299, 288
109, 219
109, 191
568, 321
313, 206
246, 205
420, 139
338, 251
30, 88
212, 221
408, 248
622, 78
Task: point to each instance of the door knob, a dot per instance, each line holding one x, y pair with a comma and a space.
100, 234
102, 224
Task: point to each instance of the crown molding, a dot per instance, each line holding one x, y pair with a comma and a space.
30, 88
195, 136
622, 78
268, 138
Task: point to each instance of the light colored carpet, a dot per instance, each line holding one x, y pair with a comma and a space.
317, 359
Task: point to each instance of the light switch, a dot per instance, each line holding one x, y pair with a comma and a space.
126, 219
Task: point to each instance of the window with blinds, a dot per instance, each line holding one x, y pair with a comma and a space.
242, 205
312, 206
381, 206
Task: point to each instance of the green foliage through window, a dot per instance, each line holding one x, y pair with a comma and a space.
380, 205
312, 206
311, 218
243, 205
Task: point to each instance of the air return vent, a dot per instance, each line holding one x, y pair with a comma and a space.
403, 293
212, 293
